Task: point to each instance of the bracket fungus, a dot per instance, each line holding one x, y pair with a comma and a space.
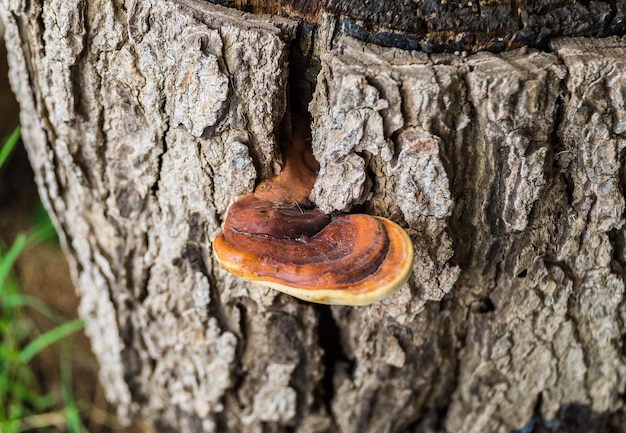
276, 237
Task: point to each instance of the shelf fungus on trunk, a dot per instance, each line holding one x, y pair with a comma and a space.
276, 237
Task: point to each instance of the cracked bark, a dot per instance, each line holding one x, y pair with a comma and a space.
144, 120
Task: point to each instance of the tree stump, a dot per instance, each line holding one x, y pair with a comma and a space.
144, 120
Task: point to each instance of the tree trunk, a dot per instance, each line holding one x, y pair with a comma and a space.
145, 120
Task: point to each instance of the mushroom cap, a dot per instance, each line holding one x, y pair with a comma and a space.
353, 260
256, 216
276, 237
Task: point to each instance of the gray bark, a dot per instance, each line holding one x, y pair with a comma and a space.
145, 119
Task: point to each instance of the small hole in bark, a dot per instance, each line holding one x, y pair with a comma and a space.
143, 295
444, 305
523, 274
482, 306
618, 245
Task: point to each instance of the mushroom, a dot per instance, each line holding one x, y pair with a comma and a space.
275, 236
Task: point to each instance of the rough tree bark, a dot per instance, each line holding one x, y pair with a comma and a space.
145, 119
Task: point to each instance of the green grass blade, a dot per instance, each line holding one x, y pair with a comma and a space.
72, 414
15, 300
10, 426
41, 233
10, 144
50, 337
41, 218
7, 262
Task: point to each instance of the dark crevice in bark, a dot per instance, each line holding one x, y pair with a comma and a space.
37, 100
75, 79
574, 418
303, 61
131, 360
85, 167
573, 315
192, 253
369, 397
610, 19
242, 339
221, 422
127, 265
461, 225
384, 38
334, 357
617, 239
196, 228
143, 293
556, 143
133, 365
75, 70
569, 188
155, 186
28, 57
287, 337
622, 172
428, 421
619, 19
162, 424
139, 289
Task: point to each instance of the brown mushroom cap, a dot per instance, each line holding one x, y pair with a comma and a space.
254, 216
353, 260
274, 236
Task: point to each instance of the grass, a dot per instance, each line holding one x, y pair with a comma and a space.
24, 406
